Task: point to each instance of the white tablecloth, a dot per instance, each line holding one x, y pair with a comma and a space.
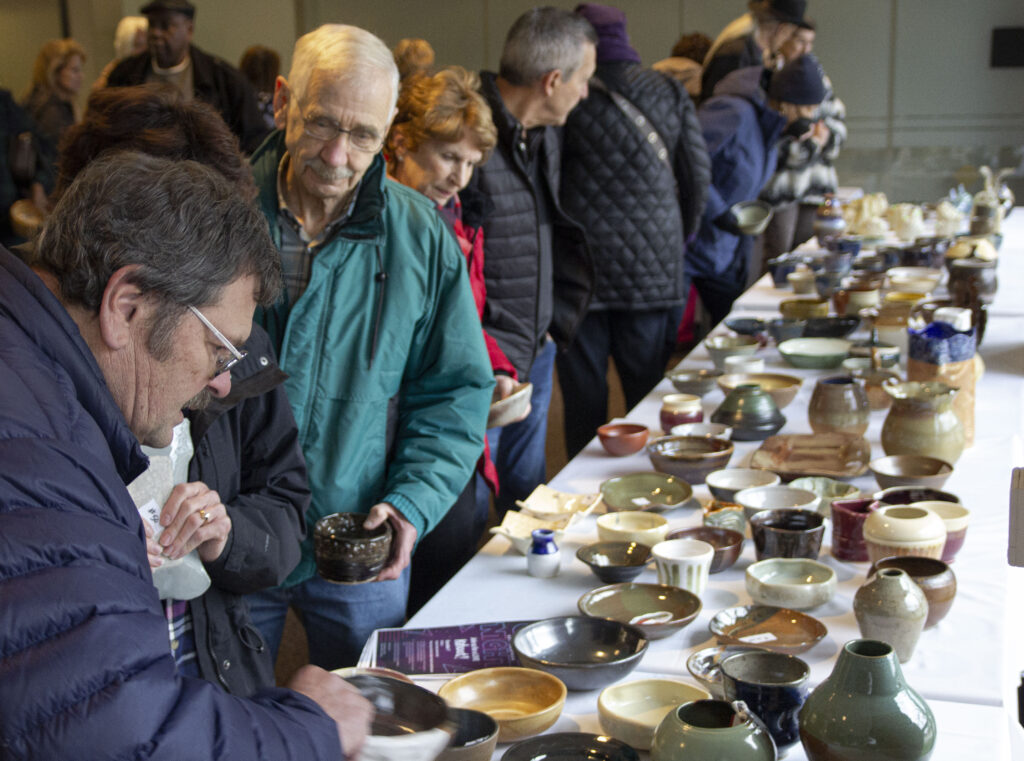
967, 667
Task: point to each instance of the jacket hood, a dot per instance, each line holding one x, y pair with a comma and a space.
749, 83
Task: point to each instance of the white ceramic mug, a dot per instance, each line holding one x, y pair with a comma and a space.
683, 563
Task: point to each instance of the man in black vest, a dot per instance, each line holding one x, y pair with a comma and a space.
173, 60
536, 265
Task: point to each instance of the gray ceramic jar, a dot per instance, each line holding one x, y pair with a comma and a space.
892, 608
838, 404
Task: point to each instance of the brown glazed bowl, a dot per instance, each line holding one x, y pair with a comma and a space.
690, 458
614, 562
347, 553
935, 578
787, 533
911, 470
621, 439
727, 543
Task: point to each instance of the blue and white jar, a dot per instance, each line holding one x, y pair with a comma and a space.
544, 559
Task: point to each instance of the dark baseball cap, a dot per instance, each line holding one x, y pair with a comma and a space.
183, 7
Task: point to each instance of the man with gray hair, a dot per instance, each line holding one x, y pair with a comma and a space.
144, 281
529, 242
390, 384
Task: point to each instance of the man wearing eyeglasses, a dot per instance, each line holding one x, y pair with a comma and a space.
144, 281
388, 374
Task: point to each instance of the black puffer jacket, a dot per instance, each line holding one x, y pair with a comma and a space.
515, 283
624, 195
247, 450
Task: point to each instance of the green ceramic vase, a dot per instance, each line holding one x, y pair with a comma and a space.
865, 711
751, 413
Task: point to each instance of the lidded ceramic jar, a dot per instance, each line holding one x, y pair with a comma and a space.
890, 607
751, 413
865, 709
922, 421
838, 404
895, 530
712, 730
677, 409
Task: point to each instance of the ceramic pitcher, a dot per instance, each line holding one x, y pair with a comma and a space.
865, 709
712, 730
922, 421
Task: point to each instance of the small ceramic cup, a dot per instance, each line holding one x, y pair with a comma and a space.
848, 516
683, 563
774, 687
787, 533
956, 517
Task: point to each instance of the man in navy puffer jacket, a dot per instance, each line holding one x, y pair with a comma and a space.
101, 345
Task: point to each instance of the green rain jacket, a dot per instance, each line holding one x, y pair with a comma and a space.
388, 376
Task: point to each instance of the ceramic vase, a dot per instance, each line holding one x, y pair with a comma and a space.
935, 578
892, 608
712, 730
838, 404
751, 413
544, 559
866, 710
922, 421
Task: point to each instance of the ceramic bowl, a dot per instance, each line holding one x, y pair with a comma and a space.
935, 578
906, 495
727, 543
787, 534
815, 353
781, 388
803, 309
511, 408
745, 326
645, 491
783, 328
585, 653
743, 364
613, 562
827, 490
781, 630
910, 470
631, 711
717, 430
725, 484
690, 458
796, 583
570, 745
409, 722
658, 610
896, 530
831, 327
349, 671
956, 517
706, 666
801, 281
476, 736
523, 701
346, 552
632, 526
725, 515
720, 347
760, 498
696, 382
921, 280
752, 217
621, 439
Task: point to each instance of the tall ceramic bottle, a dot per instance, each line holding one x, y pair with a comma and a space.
893, 609
865, 709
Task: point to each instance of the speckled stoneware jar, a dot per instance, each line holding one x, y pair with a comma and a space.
890, 607
348, 553
893, 722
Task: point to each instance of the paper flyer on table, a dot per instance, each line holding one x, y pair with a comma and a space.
442, 650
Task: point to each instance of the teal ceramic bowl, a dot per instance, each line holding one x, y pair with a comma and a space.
815, 353
827, 490
645, 491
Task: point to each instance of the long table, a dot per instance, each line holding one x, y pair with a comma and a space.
967, 667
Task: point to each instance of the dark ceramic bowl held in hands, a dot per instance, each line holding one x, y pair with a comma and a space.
348, 553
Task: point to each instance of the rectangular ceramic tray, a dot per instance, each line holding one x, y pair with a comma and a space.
836, 455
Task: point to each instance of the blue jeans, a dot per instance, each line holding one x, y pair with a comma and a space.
338, 618
518, 450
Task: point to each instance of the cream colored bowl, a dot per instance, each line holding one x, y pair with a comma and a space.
632, 526
631, 711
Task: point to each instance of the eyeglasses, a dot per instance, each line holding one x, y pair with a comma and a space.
360, 138
223, 363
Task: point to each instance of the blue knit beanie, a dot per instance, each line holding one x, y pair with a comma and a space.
800, 82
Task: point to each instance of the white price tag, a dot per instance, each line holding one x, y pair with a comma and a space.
150, 513
756, 639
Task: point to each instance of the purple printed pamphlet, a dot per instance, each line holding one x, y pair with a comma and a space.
447, 649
